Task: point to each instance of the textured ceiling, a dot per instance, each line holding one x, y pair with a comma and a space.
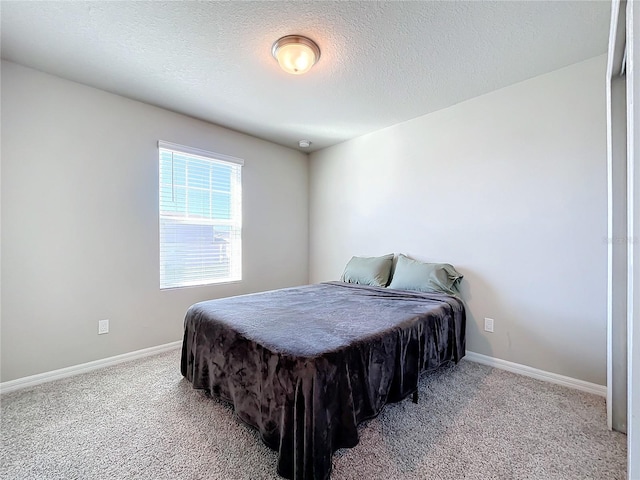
382, 62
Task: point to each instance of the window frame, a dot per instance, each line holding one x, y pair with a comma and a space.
234, 223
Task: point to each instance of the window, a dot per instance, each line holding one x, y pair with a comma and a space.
200, 217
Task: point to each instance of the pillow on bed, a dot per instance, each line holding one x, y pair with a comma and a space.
373, 271
425, 277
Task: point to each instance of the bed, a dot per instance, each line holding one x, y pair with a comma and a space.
306, 365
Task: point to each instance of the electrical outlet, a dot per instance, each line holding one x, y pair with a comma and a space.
103, 326
488, 325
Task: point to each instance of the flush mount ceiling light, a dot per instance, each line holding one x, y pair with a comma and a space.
304, 143
296, 54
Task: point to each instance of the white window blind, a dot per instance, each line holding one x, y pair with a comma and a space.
200, 217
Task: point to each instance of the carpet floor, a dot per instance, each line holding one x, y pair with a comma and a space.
142, 420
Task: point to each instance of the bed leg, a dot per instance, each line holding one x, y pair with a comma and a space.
415, 396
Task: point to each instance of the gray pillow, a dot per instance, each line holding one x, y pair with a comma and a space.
425, 277
373, 271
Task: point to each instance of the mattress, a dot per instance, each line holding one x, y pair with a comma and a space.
306, 365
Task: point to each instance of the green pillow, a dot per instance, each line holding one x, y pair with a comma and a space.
373, 271
425, 277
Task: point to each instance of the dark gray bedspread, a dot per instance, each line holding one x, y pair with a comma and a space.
305, 365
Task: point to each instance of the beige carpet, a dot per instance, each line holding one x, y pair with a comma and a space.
141, 420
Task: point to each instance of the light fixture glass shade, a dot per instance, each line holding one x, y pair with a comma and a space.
296, 54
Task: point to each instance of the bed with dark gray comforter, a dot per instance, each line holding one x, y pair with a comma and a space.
306, 365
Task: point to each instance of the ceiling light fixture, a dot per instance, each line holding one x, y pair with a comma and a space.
296, 54
304, 143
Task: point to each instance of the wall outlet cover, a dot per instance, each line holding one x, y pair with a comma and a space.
103, 326
488, 324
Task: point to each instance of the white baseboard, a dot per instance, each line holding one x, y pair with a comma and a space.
30, 381
538, 374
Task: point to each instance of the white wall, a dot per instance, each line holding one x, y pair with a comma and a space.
510, 187
80, 221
